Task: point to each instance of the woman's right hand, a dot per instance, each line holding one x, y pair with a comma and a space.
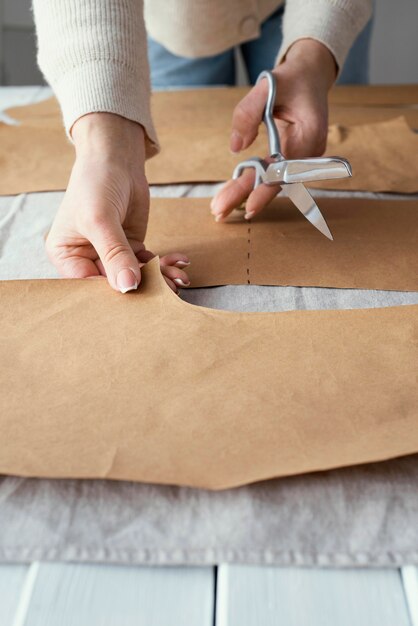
301, 117
101, 223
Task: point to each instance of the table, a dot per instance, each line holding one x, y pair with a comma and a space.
66, 594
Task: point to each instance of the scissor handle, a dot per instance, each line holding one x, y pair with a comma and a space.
260, 166
273, 134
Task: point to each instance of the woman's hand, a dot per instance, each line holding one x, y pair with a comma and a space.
301, 112
100, 226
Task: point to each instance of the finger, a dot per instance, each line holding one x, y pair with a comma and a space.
144, 256
172, 285
100, 267
74, 264
247, 117
175, 258
141, 254
256, 199
116, 255
178, 276
75, 267
259, 198
232, 195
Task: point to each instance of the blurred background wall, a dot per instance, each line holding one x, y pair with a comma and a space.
394, 53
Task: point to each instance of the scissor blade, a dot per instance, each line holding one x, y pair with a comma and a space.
303, 200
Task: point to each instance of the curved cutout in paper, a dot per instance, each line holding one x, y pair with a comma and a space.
146, 387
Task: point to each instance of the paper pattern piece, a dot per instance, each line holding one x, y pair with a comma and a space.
193, 127
375, 244
146, 387
384, 157
346, 115
375, 95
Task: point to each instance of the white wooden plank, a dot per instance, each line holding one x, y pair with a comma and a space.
12, 578
25, 597
410, 584
250, 596
106, 595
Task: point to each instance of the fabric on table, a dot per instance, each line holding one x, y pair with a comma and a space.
383, 156
107, 401
194, 127
375, 95
346, 115
365, 516
375, 243
362, 516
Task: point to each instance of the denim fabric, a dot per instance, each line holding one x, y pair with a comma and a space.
171, 71
356, 67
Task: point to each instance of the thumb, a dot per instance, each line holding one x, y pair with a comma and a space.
119, 261
247, 117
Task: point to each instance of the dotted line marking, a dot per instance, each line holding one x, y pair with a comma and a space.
248, 254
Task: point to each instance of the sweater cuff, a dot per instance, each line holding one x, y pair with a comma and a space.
334, 23
105, 86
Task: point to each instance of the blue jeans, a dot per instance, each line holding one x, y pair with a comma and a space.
171, 71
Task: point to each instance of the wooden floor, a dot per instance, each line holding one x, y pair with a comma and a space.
66, 594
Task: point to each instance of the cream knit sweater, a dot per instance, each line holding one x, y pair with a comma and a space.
93, 52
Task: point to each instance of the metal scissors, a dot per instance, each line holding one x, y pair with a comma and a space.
291, 174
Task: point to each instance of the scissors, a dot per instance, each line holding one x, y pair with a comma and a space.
291, 174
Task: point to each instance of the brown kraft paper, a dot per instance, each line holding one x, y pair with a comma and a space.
383, 156
146, 387
375, 95
345, 115
375, 243
194, 128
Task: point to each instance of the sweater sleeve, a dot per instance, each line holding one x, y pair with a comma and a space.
93, 53
335, 23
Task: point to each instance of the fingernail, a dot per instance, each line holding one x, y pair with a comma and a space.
126, 281
181, 264
178, 281
219, 217
212, 204
236, 142
249, 215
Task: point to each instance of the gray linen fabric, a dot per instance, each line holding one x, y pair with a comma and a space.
360, 516
364, 516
